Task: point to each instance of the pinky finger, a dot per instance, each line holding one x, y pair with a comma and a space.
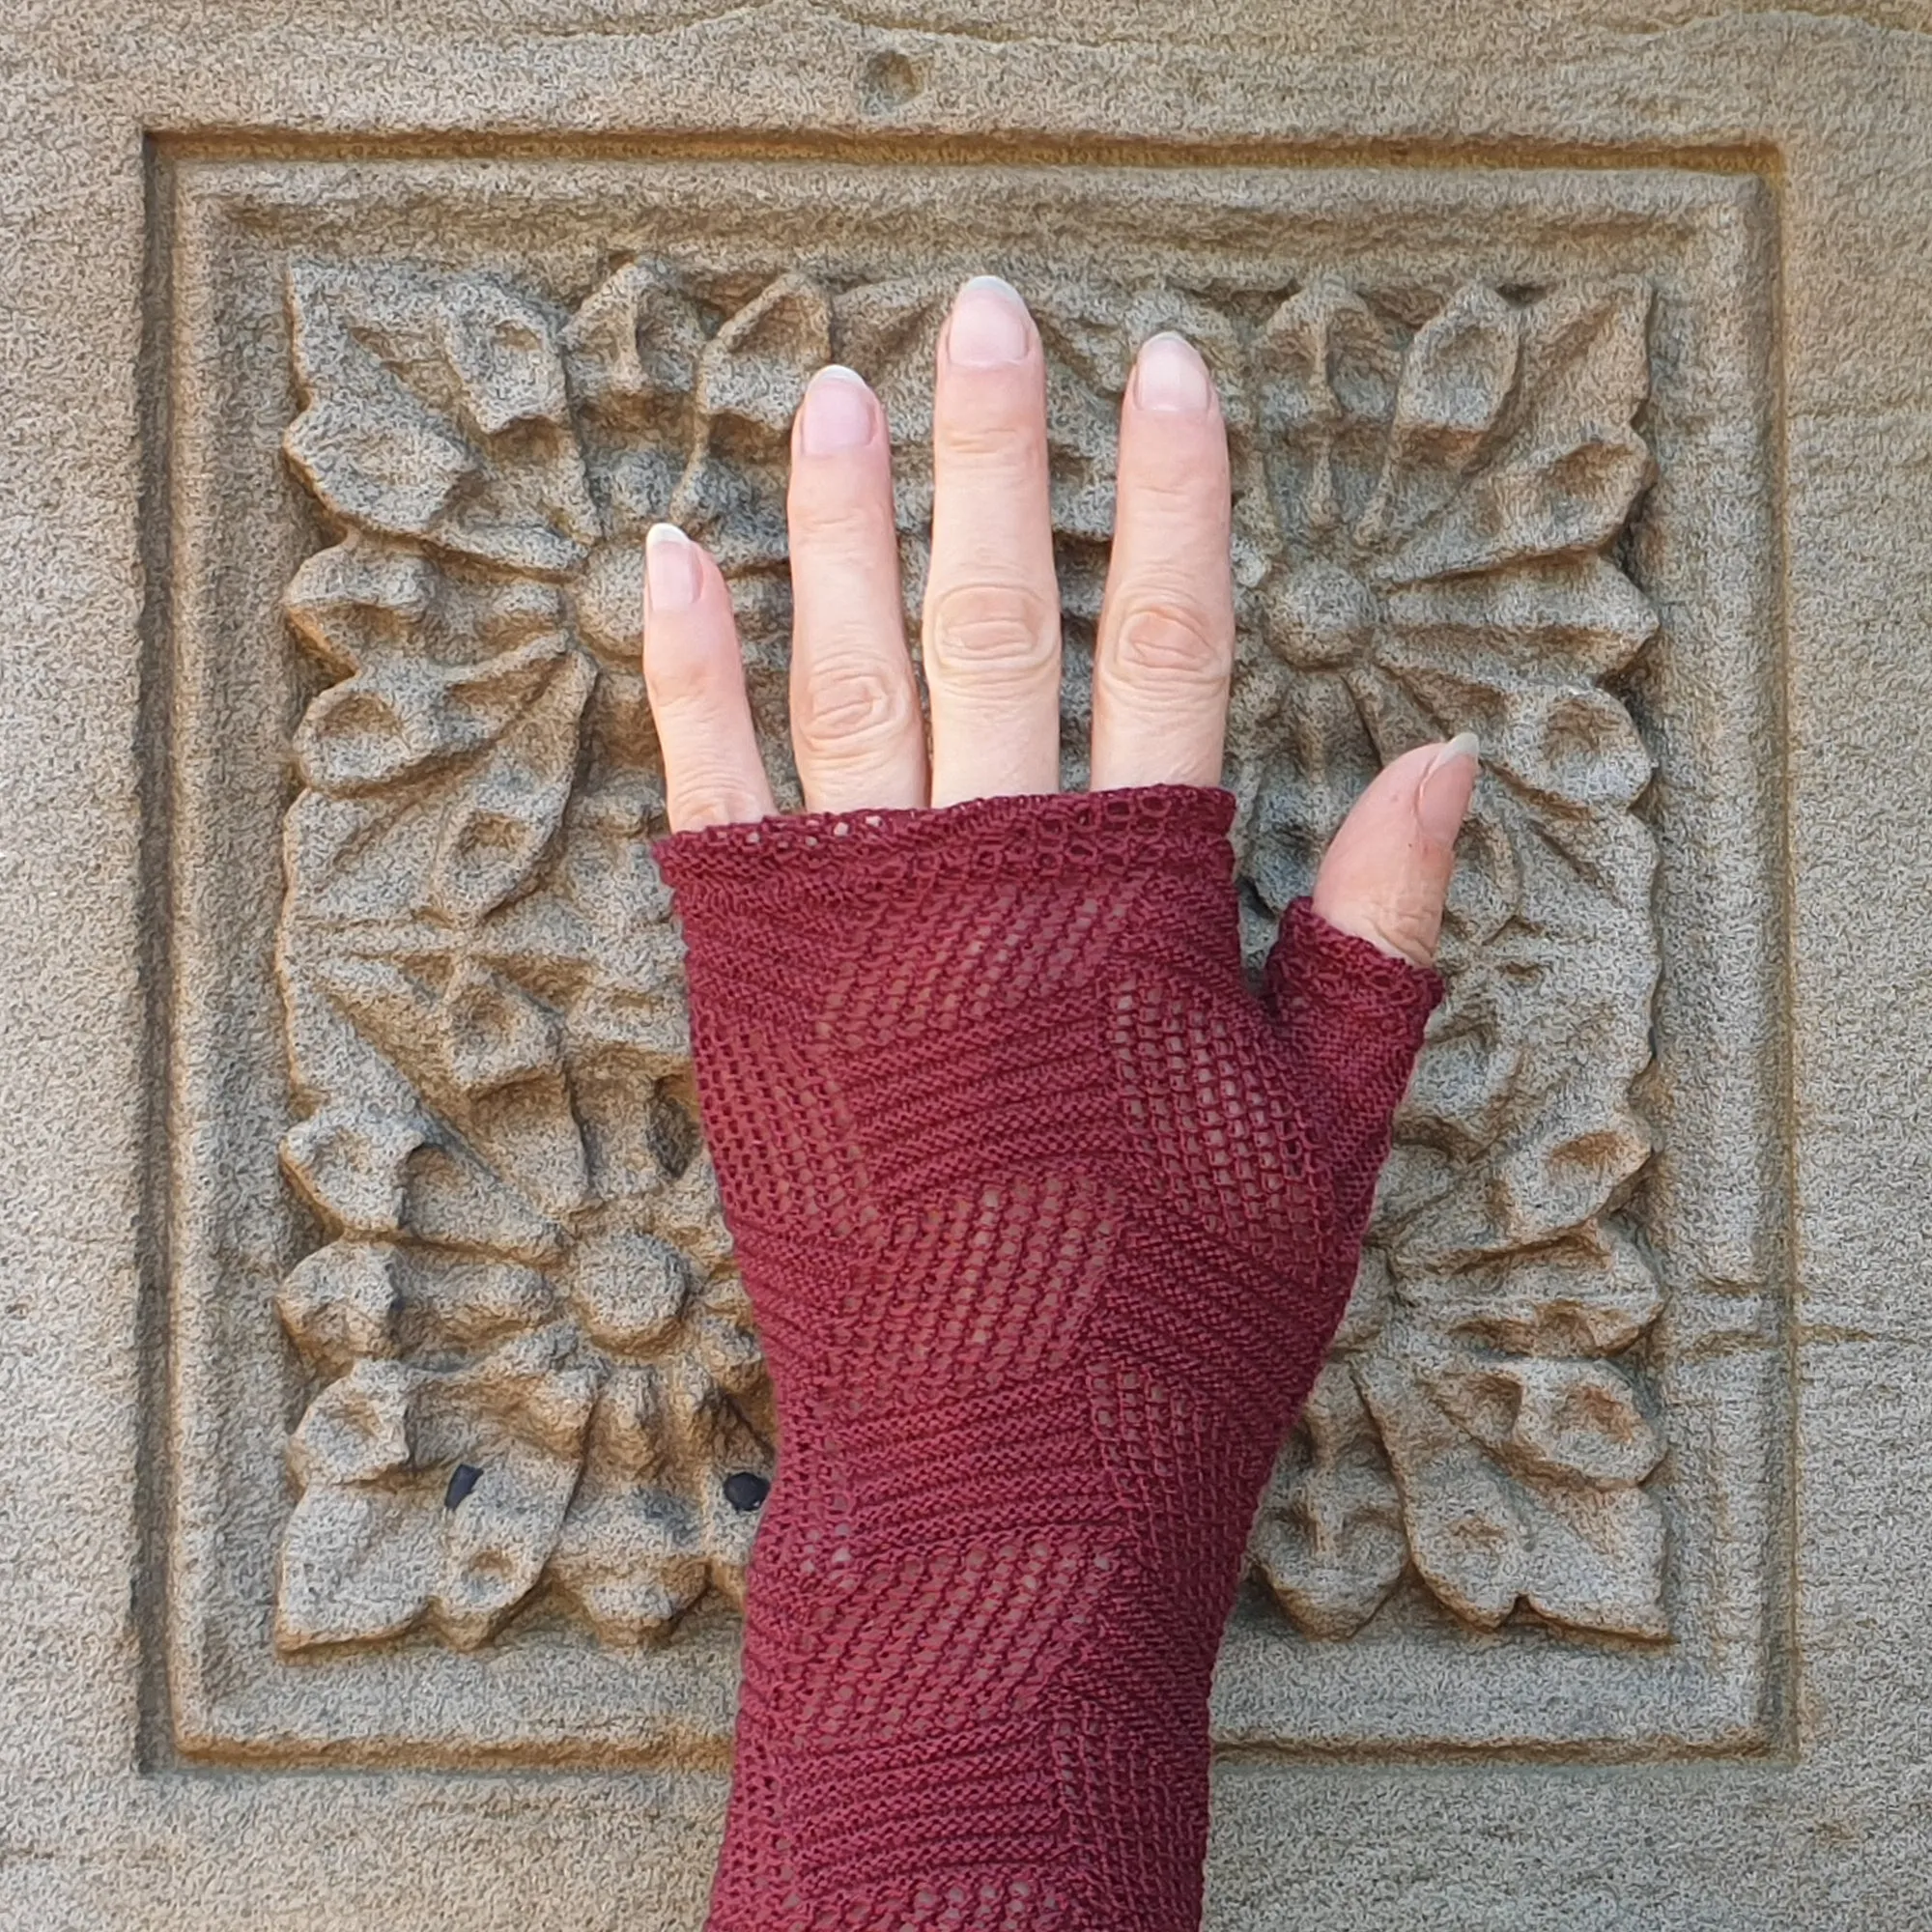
695, 681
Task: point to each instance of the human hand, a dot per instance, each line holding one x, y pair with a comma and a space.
1047, 1218
991, 625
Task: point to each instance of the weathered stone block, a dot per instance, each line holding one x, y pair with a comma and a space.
1477, 467
369, 1503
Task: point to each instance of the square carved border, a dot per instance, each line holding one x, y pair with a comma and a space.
1708, 1210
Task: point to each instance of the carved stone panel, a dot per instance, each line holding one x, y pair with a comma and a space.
471, 1428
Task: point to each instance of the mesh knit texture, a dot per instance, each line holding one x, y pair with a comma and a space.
1047, 1220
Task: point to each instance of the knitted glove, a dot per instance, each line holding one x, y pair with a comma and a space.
1047, 1222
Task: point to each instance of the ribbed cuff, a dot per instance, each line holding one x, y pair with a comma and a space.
856, 855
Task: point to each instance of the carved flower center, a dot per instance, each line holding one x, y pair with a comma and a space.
610, 598
1319, 617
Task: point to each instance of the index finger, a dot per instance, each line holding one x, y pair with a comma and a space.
694, 679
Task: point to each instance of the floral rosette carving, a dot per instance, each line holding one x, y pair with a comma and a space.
534, 1378
1426, 510
537, 1371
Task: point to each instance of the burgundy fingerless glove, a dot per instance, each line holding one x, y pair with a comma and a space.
1048, 1222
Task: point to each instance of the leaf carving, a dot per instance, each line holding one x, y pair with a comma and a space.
413, 718
430, 1494
435, 406
1497, 1508
407, 1177
1329, 1539
501, 828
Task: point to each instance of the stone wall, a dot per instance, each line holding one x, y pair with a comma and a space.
382, 1427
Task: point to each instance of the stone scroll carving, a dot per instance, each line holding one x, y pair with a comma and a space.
533, 1378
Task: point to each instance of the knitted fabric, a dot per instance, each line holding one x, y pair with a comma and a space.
1047, 1220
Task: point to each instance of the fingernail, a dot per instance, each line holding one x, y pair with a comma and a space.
673, 571
1170, 375
839, 412
1464, 744
988, 328
1442, 799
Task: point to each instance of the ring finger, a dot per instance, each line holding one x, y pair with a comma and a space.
1166, 644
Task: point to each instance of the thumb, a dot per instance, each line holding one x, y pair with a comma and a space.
1386, 874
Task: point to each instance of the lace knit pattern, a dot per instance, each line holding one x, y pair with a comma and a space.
1048, 1221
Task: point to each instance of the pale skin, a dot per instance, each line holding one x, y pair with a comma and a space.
990, 634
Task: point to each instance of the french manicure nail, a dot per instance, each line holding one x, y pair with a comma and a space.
988, 328
838, 411
673, 571
1442, 799
1169, 375
1464, 744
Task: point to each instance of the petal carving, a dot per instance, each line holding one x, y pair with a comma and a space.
1456, 379
1329, 1539
751, 380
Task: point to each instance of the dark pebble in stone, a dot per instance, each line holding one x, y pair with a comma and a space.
745, 1491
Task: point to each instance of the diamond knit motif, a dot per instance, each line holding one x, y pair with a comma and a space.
1048, 1221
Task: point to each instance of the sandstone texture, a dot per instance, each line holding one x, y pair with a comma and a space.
382, 1427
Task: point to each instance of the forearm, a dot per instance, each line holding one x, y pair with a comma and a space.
986, 1664
940, 1737
1031, 1197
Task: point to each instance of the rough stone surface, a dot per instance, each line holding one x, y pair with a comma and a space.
372, 1371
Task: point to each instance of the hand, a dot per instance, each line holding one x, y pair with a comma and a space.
1047, 1216
991, 624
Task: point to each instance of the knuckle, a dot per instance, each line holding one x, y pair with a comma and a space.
1171, 643
835, 524
999, 634
1405, 920
1190, 482
998, 436
851, 706
689, 672
1412, 935
679, 684
710, 798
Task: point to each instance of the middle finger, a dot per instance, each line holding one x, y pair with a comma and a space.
992, 601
